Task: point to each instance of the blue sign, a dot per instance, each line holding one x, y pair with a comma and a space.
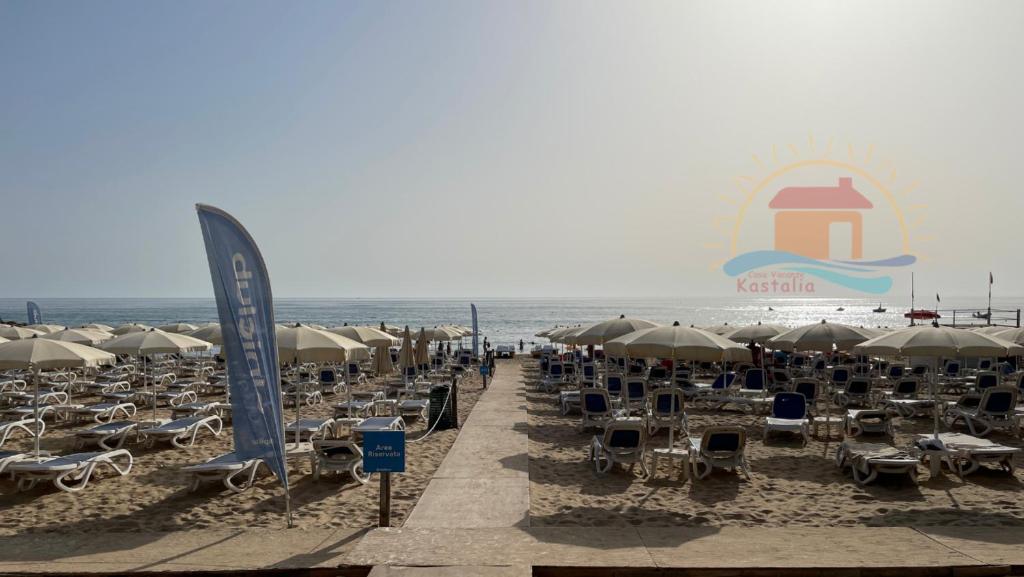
35, 317
485, 370
245, 306
384, 451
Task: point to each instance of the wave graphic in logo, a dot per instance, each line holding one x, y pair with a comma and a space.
843, 273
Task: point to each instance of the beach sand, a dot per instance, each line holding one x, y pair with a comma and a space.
790, 485
155, 497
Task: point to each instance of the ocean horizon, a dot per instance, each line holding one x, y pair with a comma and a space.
507, 320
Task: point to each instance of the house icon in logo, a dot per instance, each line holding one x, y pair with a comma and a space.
808, 216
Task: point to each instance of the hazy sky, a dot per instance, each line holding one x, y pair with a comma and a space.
494, 149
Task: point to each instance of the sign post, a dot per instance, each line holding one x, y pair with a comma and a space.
384, 453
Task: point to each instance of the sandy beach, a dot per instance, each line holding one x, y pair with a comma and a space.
791, 485
155, 497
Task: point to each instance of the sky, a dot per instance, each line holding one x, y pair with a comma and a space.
528, 148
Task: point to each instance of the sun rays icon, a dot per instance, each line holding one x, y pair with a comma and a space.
804, 215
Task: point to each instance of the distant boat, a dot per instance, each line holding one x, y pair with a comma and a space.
880, 309
922, 315
980, 315
770, 308
840, 309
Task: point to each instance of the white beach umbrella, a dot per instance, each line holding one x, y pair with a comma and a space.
369, 336
209, 333
1010, 334
678, 343
602, 332
80, 336
130, 328
439, 333
392, 330
938, 342
303, 344
758, 333
153, 342
572, 336
17, 333
179, 328
721, 329
98, 327
406, 355
823, 336
36, 354
47, 329
382, 365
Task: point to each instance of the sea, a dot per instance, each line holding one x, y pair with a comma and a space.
507, 321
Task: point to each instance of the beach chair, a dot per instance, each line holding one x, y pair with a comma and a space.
597, 409
339, 456
589, 376
903, 399
722, 447
840, 376
809, 388
788, 415
665, 408
780, 381
362, 404
26, 411
70, 473
755, 383
636, 394
894, 372
859, 422
413, 408
995, 410
857, 393
108, 436
657, 374
13, 385
228, 469
28, 425
104, 412
985, 380
624, 441
177, 431
309, 429
867, 460
306, 393
615, 385
964, 454
8, 458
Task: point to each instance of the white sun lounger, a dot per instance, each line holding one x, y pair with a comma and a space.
964, 454
339, 456
624, 441
225, 468
867, 460
105, 412
181, 429
108, 436
70, 473
721, 446
28, 425
309, 429
8, 458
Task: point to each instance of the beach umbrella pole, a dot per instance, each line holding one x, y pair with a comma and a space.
35, 408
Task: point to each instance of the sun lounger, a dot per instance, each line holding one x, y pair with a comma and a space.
108, 436
181, 429
104, 412
228, 469
964, 454
339, 456
309, 429
26, 411
720, 446
29, 397
624, 441
904, 401
8, 458
413, 408
597, 409
867, 460
789, 415
27, 425
859, 422
856, 394
663, 412
996, 410
70, 473
13, 385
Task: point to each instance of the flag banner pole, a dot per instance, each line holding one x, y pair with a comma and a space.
245, 306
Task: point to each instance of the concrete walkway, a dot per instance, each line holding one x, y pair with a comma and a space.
484, 481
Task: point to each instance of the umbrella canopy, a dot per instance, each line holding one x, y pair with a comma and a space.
210, 333
406, 356
302, 344
391, 330
17, 333
382, 364
440, 333
572, 336
722, 329
47, 328
605, 331
130, 328
931, 341
758, 333
822, 337
80, 336
369, 336
98, 327
154, 342
544, 333
422, 356
1013, 335
678, 343
179, 328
